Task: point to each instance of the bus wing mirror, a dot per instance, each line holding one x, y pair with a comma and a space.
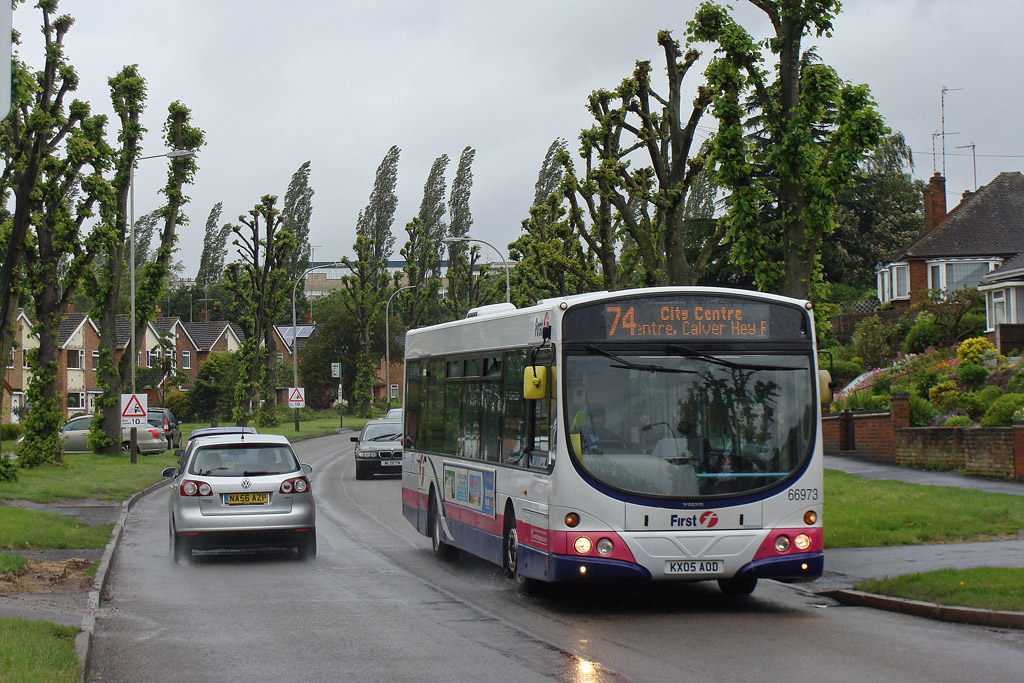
535, 382
825, 386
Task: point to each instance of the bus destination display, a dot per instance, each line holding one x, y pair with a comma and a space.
732, 320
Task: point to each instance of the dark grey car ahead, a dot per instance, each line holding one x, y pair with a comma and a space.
379, 449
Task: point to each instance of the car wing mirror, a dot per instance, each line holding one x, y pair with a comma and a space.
307, 468
170, 472
354, 438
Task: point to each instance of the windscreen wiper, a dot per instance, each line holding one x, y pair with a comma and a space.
630, 365
687, 351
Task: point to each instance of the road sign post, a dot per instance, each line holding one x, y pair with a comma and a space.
133, 415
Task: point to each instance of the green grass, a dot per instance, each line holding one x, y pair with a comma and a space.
998, 588
308, 428
34, 651
87, 475
864, 513
9, 562
20, 528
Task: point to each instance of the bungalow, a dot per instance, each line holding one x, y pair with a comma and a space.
958, 249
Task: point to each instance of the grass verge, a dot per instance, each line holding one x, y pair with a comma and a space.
307, 428
995, 588
33, 651
20, 528
87, 475
9, 562
868, 513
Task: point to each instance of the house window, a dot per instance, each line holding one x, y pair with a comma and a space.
76, 399
153, 358
76, 360
170, 356
997, 308
186, 360
901, 278
10, 361
95, 361
24, 358
964, 274
935, 276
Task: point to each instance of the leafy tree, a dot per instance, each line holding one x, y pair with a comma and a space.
875, 215
812, 129
259, 288
549, 257
297, 211
423, 249
39, 123
958, 315
214, 388
334, 339
463, 288
366, 285
215, 249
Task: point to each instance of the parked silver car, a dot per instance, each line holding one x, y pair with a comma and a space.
76, 434
380, 448
238, 490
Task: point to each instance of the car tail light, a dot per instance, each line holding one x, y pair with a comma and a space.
195, 488
296, 485
155, 434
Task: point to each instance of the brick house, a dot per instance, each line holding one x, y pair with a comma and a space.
16, 372
958, 249
78, 343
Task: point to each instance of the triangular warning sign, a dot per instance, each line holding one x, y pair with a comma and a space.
296, 395
134, 408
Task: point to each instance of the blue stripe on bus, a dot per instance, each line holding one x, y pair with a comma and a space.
787, 568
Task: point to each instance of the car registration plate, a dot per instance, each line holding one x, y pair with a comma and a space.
260, 498
397, 461
693, 567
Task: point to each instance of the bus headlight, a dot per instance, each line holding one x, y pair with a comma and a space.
582, 545
605, 547
802, 541
782, 543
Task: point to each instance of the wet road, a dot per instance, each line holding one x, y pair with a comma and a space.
375, 604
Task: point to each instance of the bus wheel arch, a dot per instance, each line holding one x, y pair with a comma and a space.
510, 555
738, 586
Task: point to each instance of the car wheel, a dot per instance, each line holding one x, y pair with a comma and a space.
307, 548
737, 586
525, 584
126, 447
442, 550
180, 546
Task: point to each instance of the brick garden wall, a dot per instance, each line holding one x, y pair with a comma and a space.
991, 452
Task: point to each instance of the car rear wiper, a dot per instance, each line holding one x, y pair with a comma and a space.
255, 473
687, 351
630, 365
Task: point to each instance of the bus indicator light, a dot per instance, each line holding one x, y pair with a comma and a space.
571, 519
810, 517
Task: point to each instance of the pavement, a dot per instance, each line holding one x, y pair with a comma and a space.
844, 567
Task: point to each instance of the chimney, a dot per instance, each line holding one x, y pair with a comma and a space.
204, 316
967, 195
70, 307
159, 313
307, 319
934, 196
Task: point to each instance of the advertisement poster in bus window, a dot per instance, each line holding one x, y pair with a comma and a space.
469, 488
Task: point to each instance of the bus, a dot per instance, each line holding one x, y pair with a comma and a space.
657, 434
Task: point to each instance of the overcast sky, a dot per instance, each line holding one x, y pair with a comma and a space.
337, 83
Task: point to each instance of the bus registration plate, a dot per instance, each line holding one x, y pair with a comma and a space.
693, 567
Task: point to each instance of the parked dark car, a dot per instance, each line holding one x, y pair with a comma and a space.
163, 419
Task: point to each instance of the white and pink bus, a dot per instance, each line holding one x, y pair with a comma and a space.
668, 434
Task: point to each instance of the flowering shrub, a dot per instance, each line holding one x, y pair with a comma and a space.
1018, 415
957, 421
975, 349
1002, 411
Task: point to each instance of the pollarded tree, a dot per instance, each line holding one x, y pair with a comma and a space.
259, 285
619, 195
106, 284
37, 126
463, 288
813, 130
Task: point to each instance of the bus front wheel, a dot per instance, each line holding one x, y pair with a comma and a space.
441, 549
526, 585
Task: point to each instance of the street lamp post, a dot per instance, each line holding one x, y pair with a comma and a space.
295, 336
387, 343
173, 154
504, 261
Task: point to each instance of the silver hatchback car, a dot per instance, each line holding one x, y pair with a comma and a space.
75, 435
234, 491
